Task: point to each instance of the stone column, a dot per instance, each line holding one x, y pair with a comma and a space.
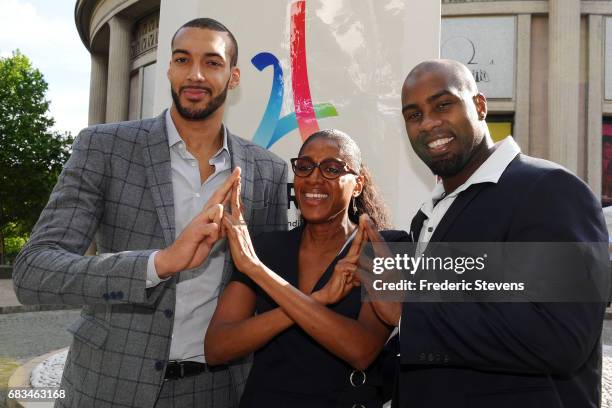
118, 90
97, 103
97, 89
594, 103
523, 70
563, 81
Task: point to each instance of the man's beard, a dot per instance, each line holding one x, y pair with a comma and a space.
448, 167
201, 114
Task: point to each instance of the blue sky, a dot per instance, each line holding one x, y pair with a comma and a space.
45, 31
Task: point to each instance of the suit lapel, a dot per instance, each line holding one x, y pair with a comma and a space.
156, 154
239, 159
460, 203
416, 225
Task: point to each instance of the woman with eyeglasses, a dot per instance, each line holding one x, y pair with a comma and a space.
295, 301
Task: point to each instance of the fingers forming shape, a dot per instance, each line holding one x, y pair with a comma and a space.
220, 194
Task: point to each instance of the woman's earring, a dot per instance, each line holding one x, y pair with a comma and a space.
354, 205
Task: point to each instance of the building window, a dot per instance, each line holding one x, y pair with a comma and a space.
500, 126
142, 93
148, 91
134, 103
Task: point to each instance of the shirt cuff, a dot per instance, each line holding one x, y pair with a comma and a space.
152, 278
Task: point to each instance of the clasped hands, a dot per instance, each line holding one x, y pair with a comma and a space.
195, 242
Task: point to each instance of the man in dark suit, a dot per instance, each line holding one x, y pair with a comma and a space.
141, 186
492, 354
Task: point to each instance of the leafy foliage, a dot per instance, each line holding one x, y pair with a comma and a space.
31, 155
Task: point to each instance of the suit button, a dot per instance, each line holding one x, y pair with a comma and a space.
446, 358
430, 357
105, 296
422, 357
438, 357
113, 295
168, 313
159, 365
120, 295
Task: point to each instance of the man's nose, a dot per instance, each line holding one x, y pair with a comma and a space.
196, 73
429, 123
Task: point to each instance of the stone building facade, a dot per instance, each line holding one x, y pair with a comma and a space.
545, 66
121, 36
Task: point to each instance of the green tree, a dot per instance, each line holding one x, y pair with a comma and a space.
31, 155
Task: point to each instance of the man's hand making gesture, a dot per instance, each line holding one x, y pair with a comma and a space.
193, 245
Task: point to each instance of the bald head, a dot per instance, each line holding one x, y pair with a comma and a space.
454, 73
445, 116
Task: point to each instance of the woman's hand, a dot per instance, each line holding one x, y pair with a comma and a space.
339, 285
344, 277
235, 228
387, 311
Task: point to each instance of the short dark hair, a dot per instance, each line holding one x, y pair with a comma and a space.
214, 25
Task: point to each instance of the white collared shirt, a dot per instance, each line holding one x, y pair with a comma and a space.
489, 172
197, 290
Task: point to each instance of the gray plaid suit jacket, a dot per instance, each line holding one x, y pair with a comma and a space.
117, 184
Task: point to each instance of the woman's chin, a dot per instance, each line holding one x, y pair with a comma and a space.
320, 218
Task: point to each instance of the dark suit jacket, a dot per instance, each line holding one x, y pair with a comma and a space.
508, 354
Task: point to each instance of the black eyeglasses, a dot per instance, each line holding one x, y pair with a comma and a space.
330, 168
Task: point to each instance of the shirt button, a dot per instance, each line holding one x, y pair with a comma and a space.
197, 195
193, 164
429, 229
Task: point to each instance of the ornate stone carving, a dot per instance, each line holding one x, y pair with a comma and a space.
145, 35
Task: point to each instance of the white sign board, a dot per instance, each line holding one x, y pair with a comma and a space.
316, 64
486, 45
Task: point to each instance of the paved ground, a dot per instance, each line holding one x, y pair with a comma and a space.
7, 294
26, 335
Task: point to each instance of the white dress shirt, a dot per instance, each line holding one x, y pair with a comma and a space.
197, 290
489, 172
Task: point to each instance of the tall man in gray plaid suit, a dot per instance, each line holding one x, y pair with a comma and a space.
140, 187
